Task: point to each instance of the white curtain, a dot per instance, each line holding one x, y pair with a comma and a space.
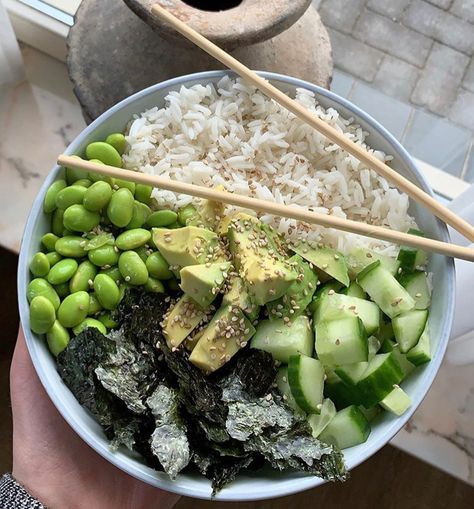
11, 64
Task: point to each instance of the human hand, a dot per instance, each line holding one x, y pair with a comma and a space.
54, 464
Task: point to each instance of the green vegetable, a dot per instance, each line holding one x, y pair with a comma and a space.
143, 193
49, 203
83, 276
94, 304
71, 246
186, 213
108, 321
107, 291
131, 239
104, 152
89, 322
120, 183
117, 140
120, 208
73, 309
57, 225
132, 268
83, 182
73, 175
154, 285
158, 267
97, 196
161, 218
78, 218
57, 338
62, 289
95, 241
69, 196
139, 215
39, 265
42, 314
49, 240
53, 258
143, 252
62, 271
41, 287
114, 273
103, 256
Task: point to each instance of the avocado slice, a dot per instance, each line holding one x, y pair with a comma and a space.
329, 262
227, 332
265, 272
189, 245
211, 212
203, 282
180, 320
237, 295
299, 294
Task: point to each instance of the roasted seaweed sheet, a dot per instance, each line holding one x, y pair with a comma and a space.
156, 402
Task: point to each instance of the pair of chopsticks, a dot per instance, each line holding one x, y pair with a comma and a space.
289, 211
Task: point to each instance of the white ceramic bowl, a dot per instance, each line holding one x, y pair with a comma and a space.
265, 483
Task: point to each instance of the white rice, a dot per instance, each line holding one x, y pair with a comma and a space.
231, 134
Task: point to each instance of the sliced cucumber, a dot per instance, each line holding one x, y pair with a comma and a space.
370, 413
284, 388
319, 422
339, 392
306, 378
385, 290
410, 257
421, 353
385, 332
283, 340
370, 382
329, 262
347, 428
354, 290
333, 306
341, 341
416, 284
390, 346
408, 328
374, 346
359, 258
324, 290
397, 401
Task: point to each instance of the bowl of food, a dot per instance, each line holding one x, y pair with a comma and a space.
211, 351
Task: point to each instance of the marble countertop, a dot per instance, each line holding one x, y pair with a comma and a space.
40, 117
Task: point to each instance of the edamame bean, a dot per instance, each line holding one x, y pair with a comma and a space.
83, 277
69, 196
132, 239
186, 213
119, 183
78, 218
97, 177
117, 140
139, 216
73, 175
39, 265
120, 208
108, 321
158, 267
49, 240
94, 304
57, 225
107, 291
41, 287
97, 196
49, 203
53, 258
114, 273
132, 268
104, 152
57, 338
143, 252
73, 309
154, 285
161, 218
71, 246
83, 182
143, 193
62, 271
104, 256
173, 285
173, 226
42, 315
62, 289
99, 240
87, 323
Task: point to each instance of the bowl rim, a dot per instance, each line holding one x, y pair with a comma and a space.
179, 486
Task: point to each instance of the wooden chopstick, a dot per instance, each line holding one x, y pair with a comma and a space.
310, 118
277, 209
